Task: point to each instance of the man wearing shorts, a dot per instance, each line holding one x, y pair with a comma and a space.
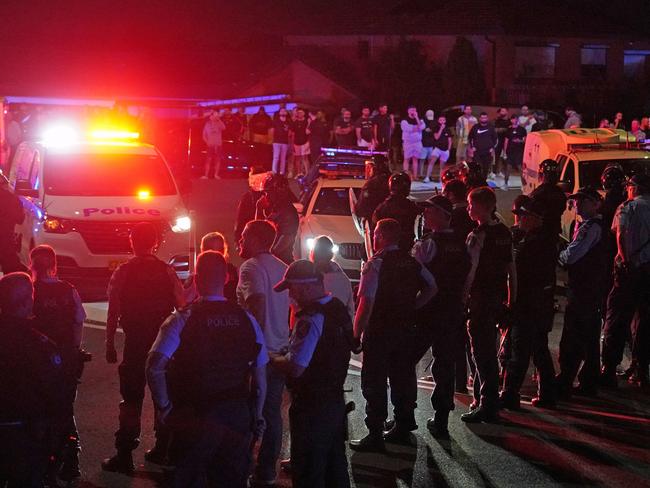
441, 146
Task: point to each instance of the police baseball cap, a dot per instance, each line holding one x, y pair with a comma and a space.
587, 192
299, 272
530, 207
439, 202
640, 181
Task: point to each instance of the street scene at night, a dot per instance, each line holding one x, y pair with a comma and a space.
330, 245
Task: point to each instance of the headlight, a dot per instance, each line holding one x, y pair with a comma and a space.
55, 225
182, 224
311, 243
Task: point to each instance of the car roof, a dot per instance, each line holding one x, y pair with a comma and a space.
600, 155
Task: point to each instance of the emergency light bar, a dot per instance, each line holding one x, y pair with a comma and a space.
333, 151
342, 169
114, 135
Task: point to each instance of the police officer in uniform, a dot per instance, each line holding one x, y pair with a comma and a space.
552, 198
31, 382
207, 374
374, 191
141, 295
630, 294
316, 365
397, 206
585, 260
59, 315
535, 256
385, 318
276, 205
11, 214
445, 255
456, 191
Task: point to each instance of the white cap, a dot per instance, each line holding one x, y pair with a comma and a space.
429, 114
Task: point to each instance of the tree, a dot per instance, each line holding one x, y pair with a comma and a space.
464, 79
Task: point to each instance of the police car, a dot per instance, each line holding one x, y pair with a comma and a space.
325, 208
582, 155
82, 194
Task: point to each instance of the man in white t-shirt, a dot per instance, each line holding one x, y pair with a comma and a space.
334, 278
257, 276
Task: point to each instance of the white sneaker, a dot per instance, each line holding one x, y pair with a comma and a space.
490, 175
427, 180
505, 187
500, 174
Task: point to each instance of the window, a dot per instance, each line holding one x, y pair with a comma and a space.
535, 61
634, 63
569, 176
363, 49
593, 61
34, 173
334, 201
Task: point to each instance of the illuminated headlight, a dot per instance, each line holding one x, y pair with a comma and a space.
311, 243
55, 225
182, 224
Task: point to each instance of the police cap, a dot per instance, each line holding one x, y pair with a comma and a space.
612, 177
400, 184
587, 192
299, 272
439, 202
641, 181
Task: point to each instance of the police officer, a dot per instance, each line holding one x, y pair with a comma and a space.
551, 196
385, 318
31, 382
630, 294
276, 205
59, 315
200, 371
397, 206
444, 254
585, 260
456, 192
11, 214
375, 190
535, 256
316, 365
141, 294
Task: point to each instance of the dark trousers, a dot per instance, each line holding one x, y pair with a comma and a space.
214, 447
318, 457
388, 356
485, 160
580, 342
630, 295
271, 444
483, 335
132, 388
24, 455
529, 338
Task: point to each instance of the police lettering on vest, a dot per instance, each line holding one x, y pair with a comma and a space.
216, 355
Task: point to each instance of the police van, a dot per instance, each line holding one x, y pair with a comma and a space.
582, 155
82, 195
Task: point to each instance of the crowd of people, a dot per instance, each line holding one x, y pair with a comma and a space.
218, 351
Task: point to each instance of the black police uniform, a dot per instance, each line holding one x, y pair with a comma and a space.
487, 295
582, 317
11, 214
535, 259
209, 380
442, 318
388, 342
55, 316
373, 193
31, 386
405, 212
146, 300
461, 222
317, 412
612, 200
554, 202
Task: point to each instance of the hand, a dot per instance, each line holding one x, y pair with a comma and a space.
260, 427
111, 353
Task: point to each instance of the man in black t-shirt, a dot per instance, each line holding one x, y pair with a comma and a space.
364, 129
300, 137
280, 136
515, 139
501, 125
344, 130
383, 127
441, 145
260, 125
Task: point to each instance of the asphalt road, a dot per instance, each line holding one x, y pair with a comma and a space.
588, 442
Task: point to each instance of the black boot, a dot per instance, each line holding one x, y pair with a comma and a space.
373, 442
122, 462
70, 467
481, 414
438, 425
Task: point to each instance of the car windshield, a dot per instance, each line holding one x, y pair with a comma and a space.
334, 201
106, 175
590, 171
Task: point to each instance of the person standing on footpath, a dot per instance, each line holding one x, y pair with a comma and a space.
513, 147
482, 139
280, 136
535, 260
215, 387
212, 137
630, 294
58, 314
412, 127
385, 324
463, 126
443, 252
257, 276
316, 366
383, 128
141, 295
32, 387
491, 287
585, 259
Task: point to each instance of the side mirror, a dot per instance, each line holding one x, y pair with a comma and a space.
566, 187
24, 189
